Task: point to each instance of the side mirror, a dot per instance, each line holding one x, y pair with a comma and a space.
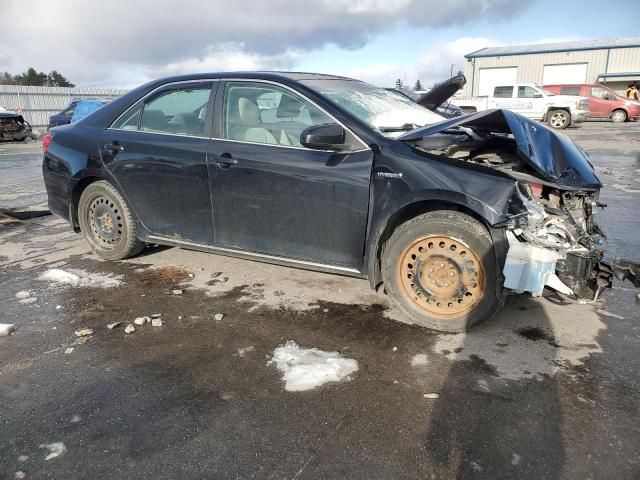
329, 136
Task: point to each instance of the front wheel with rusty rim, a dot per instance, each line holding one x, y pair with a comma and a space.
440, 268
107, 223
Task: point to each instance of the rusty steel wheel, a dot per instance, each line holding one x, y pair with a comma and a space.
442, 275
440, 268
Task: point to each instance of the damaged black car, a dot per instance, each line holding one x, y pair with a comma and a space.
333, 174
13, 127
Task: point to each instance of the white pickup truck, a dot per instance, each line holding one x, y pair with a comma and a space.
532, 101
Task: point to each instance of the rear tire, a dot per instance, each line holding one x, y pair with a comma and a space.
619, 116
107, 223
559, 119
440, 269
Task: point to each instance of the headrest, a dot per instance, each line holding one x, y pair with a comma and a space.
249, 112
154, 120
289, 107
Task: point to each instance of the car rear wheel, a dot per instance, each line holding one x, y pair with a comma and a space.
619, 116
559, 119
440, 269
107, 223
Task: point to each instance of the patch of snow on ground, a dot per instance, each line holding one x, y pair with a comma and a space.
307, 368
80, 278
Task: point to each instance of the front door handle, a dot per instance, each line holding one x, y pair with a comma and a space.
114, 147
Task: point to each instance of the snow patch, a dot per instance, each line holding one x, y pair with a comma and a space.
80, 278
307, 368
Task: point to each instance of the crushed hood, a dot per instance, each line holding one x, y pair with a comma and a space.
554, 157
440, 94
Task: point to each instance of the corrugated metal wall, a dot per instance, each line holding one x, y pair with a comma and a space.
531, 67
38, 103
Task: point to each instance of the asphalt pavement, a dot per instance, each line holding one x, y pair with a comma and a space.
548, 389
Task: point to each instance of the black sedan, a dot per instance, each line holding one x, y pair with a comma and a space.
333, 174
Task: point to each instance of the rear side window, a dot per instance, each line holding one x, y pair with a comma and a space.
503, 92
179, 111
570, 91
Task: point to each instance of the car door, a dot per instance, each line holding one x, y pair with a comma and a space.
599, 104
274, 197
530, 101
156, 152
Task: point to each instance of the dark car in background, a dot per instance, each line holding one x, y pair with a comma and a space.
333, 174
603, 102
13, 127
64, 117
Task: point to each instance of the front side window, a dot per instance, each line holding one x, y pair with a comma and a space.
264, 113
527, 92
503, 92
599, 93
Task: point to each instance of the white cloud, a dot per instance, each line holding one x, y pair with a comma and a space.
124, 41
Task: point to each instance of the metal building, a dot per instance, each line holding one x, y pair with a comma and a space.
614, 62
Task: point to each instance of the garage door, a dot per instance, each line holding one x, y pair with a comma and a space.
566, 73
494, 77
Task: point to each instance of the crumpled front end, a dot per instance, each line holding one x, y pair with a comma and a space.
556, 243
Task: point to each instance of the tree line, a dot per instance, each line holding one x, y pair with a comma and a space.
34, 78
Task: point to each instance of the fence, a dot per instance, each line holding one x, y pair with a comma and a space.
38, 103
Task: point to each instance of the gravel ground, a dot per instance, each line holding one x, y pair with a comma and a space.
547, 389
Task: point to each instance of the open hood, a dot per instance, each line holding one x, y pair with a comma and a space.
552, 156
440, 94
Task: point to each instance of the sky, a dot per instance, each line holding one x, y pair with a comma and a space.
124, 43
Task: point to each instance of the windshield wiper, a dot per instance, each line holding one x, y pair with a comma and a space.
407, 127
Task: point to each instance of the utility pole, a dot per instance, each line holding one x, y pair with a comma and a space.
451, 72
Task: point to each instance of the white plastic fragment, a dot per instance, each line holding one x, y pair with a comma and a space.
68, 350
6, 329
177, 291
56, 449
156, 322
431, 396
27, 301
20, 475
129, 329
113, 325
156, 315
83, 332
23, 458
395, 349
23, 294
140, 321
218, 316
243, 351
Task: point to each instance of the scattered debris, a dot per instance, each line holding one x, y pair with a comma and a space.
83, 332
325, 310
80, 278
476, 466
113, 325
431, 396
638, 298
191, 275
140, 321
483, 385
218, 316
56, 449
23, 294
243, 351
6, 329
129, 329
609, 314
307, 368
515, 459
419, 360
68, 350
156, 315
177, 291
156, 322
58, 307
395, 349
23, 458
27, 301
75, 419
20, 475
179, 317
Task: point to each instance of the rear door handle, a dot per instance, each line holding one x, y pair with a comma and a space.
114, 147
225, 160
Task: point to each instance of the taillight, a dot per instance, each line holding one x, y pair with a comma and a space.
46, 140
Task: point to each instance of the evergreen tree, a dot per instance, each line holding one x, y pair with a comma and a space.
398, 84
418, 85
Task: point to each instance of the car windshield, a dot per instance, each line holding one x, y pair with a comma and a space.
389, 112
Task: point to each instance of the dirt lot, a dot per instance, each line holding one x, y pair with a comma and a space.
549, 389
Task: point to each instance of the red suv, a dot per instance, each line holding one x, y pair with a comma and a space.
603, 102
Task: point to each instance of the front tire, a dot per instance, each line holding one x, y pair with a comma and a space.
559, 119
440, 269
619, 116
107, 223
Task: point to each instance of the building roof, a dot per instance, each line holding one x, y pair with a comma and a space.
572, 46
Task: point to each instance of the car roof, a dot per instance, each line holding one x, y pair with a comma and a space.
263, 75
